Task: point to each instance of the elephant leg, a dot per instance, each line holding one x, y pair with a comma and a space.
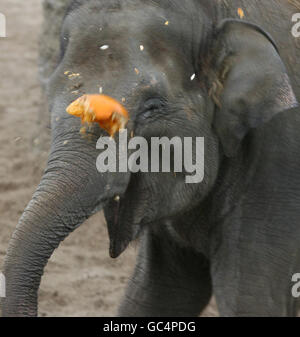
252, 272
169, 280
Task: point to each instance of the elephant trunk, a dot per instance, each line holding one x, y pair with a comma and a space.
69, 192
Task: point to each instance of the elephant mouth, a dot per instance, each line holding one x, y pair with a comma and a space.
121, 231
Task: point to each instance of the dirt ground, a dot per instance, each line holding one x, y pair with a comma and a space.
80, 279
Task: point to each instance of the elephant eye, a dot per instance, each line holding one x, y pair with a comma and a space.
153, 105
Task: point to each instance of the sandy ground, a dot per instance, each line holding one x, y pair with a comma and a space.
80, 279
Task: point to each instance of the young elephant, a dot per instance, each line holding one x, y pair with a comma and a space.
236, 233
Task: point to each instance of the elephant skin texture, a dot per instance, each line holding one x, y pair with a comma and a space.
182, 69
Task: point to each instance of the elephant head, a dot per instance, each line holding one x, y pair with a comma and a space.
180, 73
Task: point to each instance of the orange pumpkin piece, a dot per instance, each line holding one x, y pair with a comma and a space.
104, 110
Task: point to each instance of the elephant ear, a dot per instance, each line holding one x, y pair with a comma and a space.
252, 84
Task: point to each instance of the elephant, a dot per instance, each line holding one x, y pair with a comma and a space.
224, 71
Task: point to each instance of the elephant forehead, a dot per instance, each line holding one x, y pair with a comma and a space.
118, 19
129, 23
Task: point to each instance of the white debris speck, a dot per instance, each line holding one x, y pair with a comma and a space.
167, 23
100, 29
66, 142
141, 47
104, 47
136, 71
117, 198
123, 99
100, 90
193, 77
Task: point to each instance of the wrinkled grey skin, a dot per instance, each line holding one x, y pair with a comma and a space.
237, 233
